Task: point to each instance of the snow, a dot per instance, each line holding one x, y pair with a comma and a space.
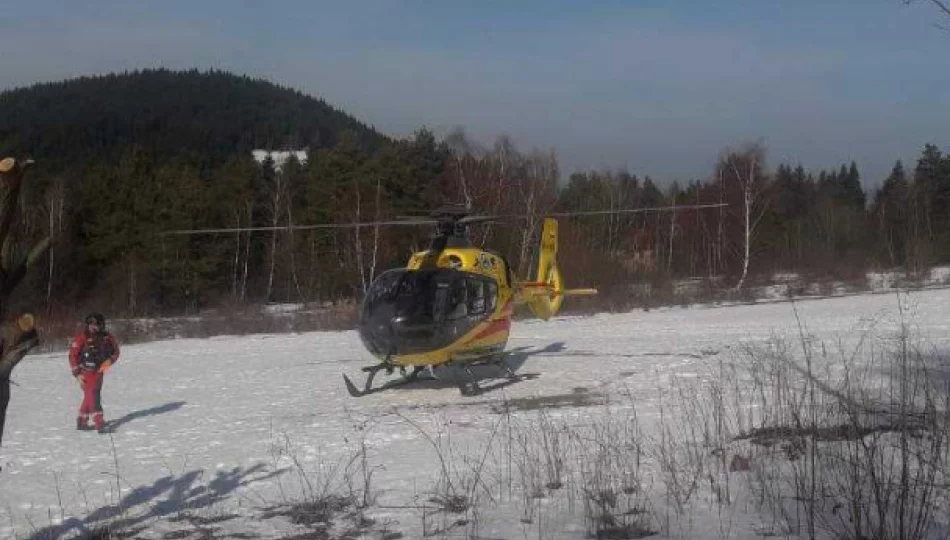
940, 275
214, 434
283, 308
895, 279
279, 156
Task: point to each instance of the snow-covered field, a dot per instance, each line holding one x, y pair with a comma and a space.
218, 437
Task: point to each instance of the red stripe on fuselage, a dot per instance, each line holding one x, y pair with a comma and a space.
500, 325
494, 327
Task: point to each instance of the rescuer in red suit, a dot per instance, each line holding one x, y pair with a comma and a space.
92, 352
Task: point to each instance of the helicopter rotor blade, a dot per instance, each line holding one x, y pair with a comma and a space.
479, 219
301, 227
465, 220
636, 210
472, 220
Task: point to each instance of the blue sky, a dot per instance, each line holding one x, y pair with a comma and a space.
659, 88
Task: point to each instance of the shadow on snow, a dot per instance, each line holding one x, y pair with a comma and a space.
167, 495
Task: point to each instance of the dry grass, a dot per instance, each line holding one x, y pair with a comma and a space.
855, 449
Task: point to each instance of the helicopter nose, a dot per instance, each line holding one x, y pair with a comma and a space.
406, 328
375, 330
388, 334
399, 323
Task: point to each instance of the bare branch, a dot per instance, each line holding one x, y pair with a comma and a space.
942, 6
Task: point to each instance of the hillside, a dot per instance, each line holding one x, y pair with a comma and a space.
120, 157
208, 114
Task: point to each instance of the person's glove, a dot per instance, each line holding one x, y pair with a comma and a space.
105, 366
77, 370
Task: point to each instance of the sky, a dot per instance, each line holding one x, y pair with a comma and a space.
656, 88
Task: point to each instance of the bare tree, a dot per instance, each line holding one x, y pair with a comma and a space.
743, 172
941, 5
536, 188
376, 217
292, 248
55, 202
275, 207
460, 148
720, 224
249, 209
366, 277
13, 266
669, 255
237, 254
494, 185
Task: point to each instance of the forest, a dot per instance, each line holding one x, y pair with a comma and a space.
123, 158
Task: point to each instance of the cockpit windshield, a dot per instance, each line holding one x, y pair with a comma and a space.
419, 296
413, 310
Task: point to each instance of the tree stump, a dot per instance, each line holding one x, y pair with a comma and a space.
18, 339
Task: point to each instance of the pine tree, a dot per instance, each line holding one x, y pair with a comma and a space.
853, 193
925, 187
890, 208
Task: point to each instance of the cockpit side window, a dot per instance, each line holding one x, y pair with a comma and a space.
438, 304
491, 296
476, 296
457, 306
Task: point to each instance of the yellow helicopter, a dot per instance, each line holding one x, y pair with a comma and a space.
453, 303
450, 308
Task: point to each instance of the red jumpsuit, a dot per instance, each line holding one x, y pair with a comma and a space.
90, 356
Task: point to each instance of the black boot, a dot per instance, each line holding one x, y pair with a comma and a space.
82, 424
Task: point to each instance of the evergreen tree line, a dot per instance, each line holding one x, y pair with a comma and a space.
106, 222
820, 223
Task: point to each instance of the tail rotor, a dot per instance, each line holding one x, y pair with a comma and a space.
545, 294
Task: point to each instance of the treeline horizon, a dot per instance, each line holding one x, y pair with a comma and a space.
126, 181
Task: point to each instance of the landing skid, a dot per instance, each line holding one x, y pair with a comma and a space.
373, 370
462, 371
459, 371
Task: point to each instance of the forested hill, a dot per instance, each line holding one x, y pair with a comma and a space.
208, 114
122, 158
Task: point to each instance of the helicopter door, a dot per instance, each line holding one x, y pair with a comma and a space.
470, 297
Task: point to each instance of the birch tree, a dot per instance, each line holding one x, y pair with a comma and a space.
366, 274
55, 203
742, 176
275, 209
536, 192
